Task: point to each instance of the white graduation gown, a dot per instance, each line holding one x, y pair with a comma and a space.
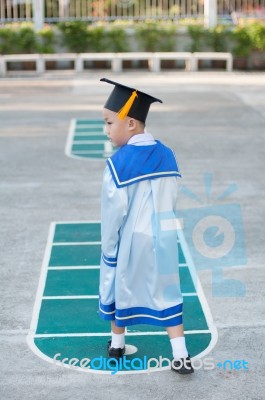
139, 279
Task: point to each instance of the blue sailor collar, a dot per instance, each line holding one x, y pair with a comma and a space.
131, 164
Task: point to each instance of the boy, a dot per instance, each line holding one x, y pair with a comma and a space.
139, 281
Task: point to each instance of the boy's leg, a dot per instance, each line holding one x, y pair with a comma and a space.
117, 336
177, 340
181, 360
116, 329
175, 331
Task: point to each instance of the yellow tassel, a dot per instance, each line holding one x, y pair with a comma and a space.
127, 106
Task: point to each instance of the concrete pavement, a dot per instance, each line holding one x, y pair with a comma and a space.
216, 123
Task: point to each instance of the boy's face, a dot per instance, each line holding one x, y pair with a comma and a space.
118, 131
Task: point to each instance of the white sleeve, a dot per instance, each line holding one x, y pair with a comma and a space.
113, 211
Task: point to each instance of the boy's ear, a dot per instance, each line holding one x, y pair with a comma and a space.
132, 123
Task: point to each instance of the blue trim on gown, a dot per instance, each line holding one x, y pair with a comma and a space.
128, 243
132, 164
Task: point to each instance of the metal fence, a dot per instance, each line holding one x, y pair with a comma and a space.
91, 10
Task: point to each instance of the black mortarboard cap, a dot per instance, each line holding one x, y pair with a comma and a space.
128, 101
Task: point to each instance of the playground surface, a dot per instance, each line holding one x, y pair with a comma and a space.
52, 157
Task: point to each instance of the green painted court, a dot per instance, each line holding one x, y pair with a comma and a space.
66, 320
86, 139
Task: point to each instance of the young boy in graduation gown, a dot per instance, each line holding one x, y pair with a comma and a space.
139, 280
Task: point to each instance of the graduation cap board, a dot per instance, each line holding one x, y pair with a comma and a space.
66, 329
87, 139
128, 101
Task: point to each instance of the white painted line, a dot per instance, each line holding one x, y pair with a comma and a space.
101, 334
88, 222
201, 296
80, 297
89, 130
92, 126
51, 335
76, 243
89, 152
32, 332
70, 138
75, 267
39, 295
90, 133
70, 297
77, 156
42, 279
100, 141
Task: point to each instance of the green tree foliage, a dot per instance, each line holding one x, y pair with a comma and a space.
256, 32
154, 36
46, 40
75, 36
197, 35
242, 42
218, 38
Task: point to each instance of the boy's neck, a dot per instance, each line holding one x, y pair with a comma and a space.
144, 137
135, 134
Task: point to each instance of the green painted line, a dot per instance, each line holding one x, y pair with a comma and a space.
72, 282
92, 137
75, 255
88, 130
90, 155
186, 283
70, 316
81, 316
92, 146
181, 255
83, 138
89, 122
193, 315
77, 232
82, 333
84, 282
